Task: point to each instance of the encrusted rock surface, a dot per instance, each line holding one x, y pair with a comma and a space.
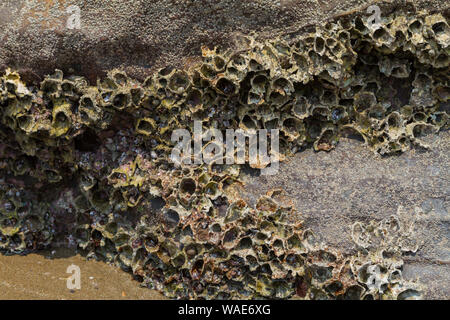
102, 150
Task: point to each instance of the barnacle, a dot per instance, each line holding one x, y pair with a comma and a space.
180, 228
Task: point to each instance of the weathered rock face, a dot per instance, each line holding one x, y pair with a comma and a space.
336, 231
141, 36
334, 190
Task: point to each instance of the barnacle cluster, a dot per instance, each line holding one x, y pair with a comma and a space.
105, 148
381, 245
25, 223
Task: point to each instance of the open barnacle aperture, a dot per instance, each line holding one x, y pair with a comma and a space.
180, 230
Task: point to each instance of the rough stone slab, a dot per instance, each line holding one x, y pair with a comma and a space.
139, 36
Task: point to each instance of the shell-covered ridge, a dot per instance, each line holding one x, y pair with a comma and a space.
92, 161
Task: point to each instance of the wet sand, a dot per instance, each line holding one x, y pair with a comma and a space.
37, 276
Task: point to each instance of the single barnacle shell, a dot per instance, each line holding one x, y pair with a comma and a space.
125, 256
132, 195
442, 92
69, 89
279, 91
119, 177
364, 101
99, 200
416, 130
9, 207
118, 77
179, 82
167, 251
207, 71
319, 44
21, 166
27, 123
121, 99
327, 139
52, 175
439, 119
394, 125
293, 128
62, 118
14, 85
225, 86
415, 28
421, 94
383, 38
87, 182
212, 190
88, 111
194, 100
187, 185
438, 26
231, 238
146, 126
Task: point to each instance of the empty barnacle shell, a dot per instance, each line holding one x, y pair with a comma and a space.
364, 101
118, 77
442, 92
146, 126
339, 114
14, 85
394, 124
382, 37
179, 82
120, 99
293, 128
417, 130
27, 123
208, 71
266, 203
88, 111
132, 195
437, 24
52, 176
51, 87
187, 185
69, 89
61, 115
119, 177
319, 44
300, 108
230, 238
279, 91
439, 119
125, 256
225, 86
327, 139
